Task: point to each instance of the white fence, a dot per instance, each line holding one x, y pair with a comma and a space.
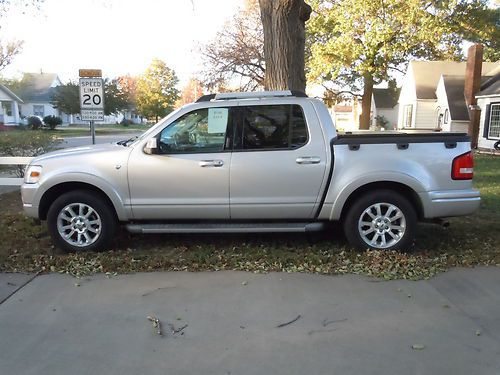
12, 160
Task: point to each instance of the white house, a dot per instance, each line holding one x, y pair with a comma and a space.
384, 105
9, 107
451, 109
418, 102
36, 90
488, 99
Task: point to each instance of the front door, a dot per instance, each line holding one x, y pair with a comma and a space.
189, 177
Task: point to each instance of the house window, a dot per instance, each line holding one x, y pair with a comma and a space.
407, 115
39, 110
7, 108
446, 115
494, 126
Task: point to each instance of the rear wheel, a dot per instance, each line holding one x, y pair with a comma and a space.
381, 220
81, 221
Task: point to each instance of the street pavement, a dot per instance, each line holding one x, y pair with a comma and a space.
87, 140
236, 323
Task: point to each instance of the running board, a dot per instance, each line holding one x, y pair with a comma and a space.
226, 228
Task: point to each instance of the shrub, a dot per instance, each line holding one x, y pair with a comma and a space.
25, 144
52, 121
34, 122
382, 123
126, 122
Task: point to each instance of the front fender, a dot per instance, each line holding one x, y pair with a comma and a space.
117, 198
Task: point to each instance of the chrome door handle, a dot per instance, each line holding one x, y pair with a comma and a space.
211, 163
308, 160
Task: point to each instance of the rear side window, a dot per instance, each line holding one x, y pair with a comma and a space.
272, 127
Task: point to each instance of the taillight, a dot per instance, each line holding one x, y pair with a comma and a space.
462, 167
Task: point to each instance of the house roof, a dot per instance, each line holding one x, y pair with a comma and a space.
10, 93
427, 73
385, 98
37, 87
491, 86
454, 87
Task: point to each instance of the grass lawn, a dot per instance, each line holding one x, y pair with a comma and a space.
80, 130
472, 240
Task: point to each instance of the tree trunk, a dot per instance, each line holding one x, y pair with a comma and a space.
284, 42
366, 102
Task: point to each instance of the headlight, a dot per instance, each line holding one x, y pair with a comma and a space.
32, 174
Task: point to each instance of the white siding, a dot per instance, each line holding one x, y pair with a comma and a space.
425, 117
442, 107
483, 102
407, 96
390, 115
28, 110
459, 126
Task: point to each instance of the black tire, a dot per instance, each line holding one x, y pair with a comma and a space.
102, 222
381, 225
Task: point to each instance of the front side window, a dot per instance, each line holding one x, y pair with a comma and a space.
494, 122
7, 108
268, 127
202, 130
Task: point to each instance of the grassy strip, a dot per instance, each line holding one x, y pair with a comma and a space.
472, 240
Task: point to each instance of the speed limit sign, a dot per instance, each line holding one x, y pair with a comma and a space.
91, 93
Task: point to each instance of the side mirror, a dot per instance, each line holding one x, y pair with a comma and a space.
151, 147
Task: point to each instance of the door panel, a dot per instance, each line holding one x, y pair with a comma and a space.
189, 178
179, 186
276, 183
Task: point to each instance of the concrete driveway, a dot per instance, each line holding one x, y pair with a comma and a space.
341, 325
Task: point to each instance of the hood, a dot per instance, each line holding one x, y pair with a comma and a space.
78, 151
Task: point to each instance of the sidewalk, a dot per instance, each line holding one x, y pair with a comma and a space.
57, 324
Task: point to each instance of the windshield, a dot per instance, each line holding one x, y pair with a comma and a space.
151, 130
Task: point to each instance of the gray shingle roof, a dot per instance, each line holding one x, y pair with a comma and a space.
427, 74
36, 87
491, 86
454, 87
13, 96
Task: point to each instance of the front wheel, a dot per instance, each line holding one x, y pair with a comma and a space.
81, 221
381, 220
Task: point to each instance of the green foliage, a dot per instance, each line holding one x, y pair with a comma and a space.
352, 40
156, 92
34, 122
26, 144
52, 121
382, 122
126, 122
67, 98
115, 99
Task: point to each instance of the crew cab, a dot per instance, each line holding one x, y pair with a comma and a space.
252, 162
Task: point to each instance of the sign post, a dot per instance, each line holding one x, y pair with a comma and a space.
91, 97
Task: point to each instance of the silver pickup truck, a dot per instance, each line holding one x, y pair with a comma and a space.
252, 162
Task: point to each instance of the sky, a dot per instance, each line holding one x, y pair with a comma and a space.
118, 36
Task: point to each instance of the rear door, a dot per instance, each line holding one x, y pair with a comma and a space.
278, 163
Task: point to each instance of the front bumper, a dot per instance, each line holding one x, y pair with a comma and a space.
30, 206
449, 203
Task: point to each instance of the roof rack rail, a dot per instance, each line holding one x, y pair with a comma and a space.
251, 95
